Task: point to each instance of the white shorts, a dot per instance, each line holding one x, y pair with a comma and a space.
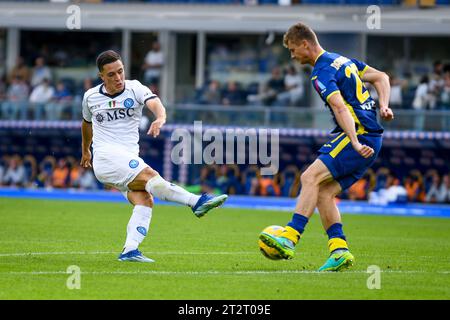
117, 168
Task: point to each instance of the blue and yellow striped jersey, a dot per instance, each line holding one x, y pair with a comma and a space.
334, 73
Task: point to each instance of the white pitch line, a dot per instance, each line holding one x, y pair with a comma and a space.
117, 252
51, 253
211, 272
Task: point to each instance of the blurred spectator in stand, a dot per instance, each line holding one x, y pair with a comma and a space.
381, 175
250, 180
438, 191
153, 64
445, 94
207, 179
436, 84
61, 57
421, 102
361, 189
294, 86
19, 70
422, 98
274, 86
15, 172
396, 192
414, 186
30, 166
74, 170
79, 93
232, 95
3, 90
428, 179
212, 94
383, 181
289, 181
446, 183
60, 177
84, 180
268, 187
222, 180
16, 100
40, 72
268, 91
46, 167
40, 97
396, 97
393, 192
61, 99
228, 179
445, 100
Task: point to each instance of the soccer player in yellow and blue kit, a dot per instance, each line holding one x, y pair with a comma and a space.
342, 161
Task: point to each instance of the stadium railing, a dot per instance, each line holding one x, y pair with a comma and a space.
254, 116
298, 117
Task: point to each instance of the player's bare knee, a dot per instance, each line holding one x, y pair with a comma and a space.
149, 173
308, 178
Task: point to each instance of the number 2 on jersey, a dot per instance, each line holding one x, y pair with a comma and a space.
353, 70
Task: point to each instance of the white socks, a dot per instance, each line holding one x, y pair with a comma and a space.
140, 219
166, 191
137, 227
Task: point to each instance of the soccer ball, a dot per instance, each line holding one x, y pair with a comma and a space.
267, 251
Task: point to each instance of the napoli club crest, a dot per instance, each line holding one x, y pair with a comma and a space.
128, 103
133, 164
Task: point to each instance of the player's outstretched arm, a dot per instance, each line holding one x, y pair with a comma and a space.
346, 122
86, 136
380, 81
157, 108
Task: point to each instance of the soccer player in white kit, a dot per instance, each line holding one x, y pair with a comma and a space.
111, 115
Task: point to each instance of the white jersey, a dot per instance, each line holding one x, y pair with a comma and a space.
115, 118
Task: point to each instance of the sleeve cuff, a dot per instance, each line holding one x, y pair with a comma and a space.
149, 98
361, 73
332, 93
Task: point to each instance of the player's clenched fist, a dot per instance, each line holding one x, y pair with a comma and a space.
86, 159
155, 127
363, 150
386, 114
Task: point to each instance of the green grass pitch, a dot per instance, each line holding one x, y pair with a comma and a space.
213, 258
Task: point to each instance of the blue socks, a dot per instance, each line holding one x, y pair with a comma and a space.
335, 231
298, 222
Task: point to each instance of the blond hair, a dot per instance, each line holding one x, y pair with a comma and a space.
299, 32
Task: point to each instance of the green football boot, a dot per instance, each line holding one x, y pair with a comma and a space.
338, 261
284, 243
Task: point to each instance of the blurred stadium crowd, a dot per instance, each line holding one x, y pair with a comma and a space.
380, 186
33, 92
30, 92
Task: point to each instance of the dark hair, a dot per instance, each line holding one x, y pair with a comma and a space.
424, 79
299, 32
106, 57
446, 68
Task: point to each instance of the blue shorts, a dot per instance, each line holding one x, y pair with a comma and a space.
345, 164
